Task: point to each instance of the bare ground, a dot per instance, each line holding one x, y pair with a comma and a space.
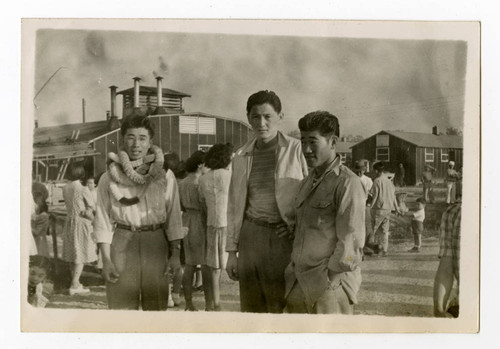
397, 285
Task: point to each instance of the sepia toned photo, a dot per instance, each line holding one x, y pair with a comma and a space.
250, 176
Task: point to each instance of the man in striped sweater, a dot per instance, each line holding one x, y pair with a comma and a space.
267, 172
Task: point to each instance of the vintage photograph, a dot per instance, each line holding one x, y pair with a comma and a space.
243, 169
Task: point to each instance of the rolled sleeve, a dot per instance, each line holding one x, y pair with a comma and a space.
349, 227
173, 227
103, 227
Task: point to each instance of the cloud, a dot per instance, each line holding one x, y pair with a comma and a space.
369, 84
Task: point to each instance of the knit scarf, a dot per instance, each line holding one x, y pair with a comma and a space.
139, 172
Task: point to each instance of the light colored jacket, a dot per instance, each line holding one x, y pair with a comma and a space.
291, 169
329, 235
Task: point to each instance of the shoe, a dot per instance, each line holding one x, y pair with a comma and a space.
217, 308
367, 251
170, 302
176, 298
190, 307
382, 254
78, 290
414, 249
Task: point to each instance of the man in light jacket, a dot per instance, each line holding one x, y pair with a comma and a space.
267, 172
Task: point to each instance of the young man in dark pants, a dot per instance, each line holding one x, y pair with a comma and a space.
267, 172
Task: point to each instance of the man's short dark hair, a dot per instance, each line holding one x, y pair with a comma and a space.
379, 166
263, 97
195, 160
137, 121
322, 121
219, 156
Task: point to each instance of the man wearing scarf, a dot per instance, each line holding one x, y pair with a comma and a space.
138, 223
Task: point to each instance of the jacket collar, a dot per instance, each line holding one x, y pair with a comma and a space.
334, 166
312, 185
283, 141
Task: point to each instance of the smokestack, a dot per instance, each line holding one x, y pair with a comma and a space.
160, 90
113, 122
137, 109
83, 110
435, 130
136, 92
113, 88
159, 94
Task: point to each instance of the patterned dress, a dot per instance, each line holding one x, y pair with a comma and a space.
78, 245
194, 242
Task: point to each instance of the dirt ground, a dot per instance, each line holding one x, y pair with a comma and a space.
397, 285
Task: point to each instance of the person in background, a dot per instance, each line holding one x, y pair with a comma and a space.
267, 172
39, 269
172, 162
417, 224
324, 275
359, 169
40, 224
138, 221
192, 220
458, 183
399, 179
449, 263
451, 179
78, 245
91, 185
427, 183
214, 188
383, 201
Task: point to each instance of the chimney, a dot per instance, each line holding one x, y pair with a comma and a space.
137, 109
112, 89
435, 130
83, 110
136, 92
159, 94
113, 122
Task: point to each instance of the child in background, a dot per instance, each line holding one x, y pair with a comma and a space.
39, 270
417, 224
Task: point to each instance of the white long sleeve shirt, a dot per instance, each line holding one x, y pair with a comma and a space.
159, 204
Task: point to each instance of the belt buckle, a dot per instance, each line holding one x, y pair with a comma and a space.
133, 228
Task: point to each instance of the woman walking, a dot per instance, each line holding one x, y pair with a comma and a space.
194, 241
78, 245
214, 189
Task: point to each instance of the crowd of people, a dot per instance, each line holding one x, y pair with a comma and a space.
284, 217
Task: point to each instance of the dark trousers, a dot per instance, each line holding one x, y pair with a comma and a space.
140, 259
262, 260
417, 228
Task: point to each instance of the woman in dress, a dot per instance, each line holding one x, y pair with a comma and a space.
78, 245
194, 242
214, 189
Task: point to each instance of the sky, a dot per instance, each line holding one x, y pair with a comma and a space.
369, 84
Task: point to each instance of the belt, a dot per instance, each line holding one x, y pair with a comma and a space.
263, 223
150, 227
